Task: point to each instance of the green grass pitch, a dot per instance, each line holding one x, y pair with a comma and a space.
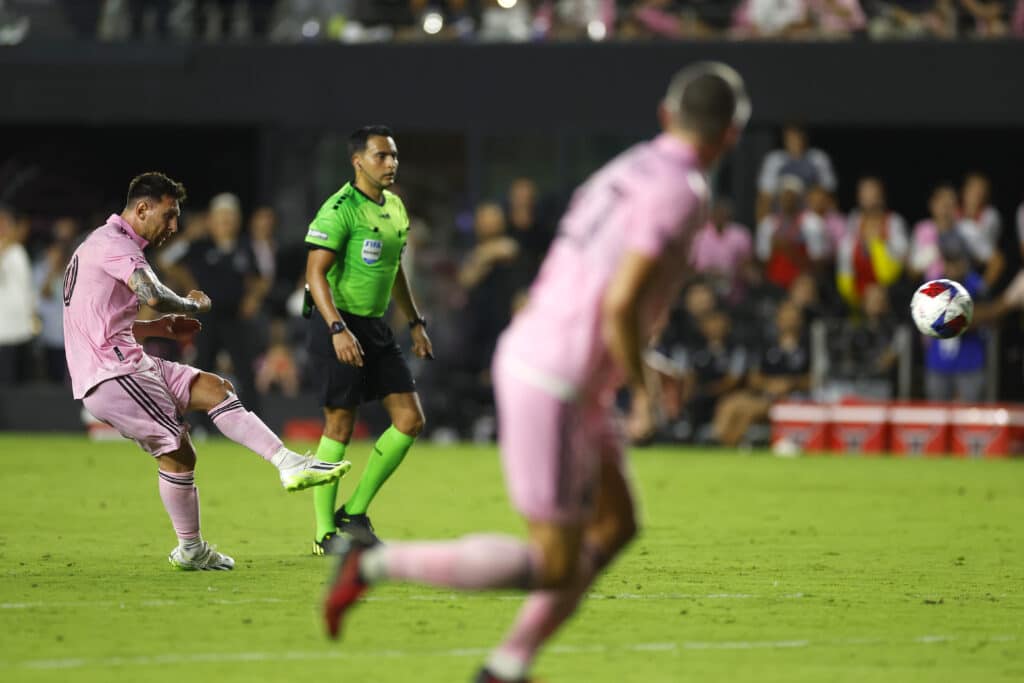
749, 568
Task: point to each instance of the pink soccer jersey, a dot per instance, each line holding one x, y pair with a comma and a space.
649, 200
100, 308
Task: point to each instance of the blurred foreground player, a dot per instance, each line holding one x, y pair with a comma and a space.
106, 281
611, 273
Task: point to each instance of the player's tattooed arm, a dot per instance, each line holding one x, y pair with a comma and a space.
155, 294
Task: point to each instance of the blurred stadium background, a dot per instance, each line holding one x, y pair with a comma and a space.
898, 124
893, 119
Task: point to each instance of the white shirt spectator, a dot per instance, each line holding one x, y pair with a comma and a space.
896, 239
17, 296
812, 229
778, 163
769, 17
982, 232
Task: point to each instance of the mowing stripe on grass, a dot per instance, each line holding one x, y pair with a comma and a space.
447, 597
312, 655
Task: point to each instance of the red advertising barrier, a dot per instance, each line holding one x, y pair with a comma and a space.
987, 431
900, 428
859, 429
919, 429
801, 427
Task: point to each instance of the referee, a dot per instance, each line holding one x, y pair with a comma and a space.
353, 269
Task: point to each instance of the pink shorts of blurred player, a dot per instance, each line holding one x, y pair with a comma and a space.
147, 406
552, 449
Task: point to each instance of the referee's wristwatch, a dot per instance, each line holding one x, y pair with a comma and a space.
337, 327
417, 321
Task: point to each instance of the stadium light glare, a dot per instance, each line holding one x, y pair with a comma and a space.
597, 30
506, 4
433, 22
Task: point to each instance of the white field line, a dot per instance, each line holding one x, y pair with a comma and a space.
335, 654
444, 597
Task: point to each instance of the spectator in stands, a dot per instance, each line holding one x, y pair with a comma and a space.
1017, 26
955, 368
805, 294
822, 203
278, 370
980, 219
683, 325
17, 299
262, 226
492, 274
722, 252
710, 371
525, 223
653, 18
981, 225
782, 370
576, 19
925, 260
772, 19
990, 18
796, 158
48, 277
875, 245
837, 18
506, 24
195, 226
224, 266
914, 19
865, 351
791, 241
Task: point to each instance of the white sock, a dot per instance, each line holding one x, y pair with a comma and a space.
190, 545
372, 565
504, 665
285, 459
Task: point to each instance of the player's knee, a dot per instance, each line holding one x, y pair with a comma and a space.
338, 425
410, 423
611, 537
558, 567
180, 461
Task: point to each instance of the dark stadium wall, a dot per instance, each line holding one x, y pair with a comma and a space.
609, 87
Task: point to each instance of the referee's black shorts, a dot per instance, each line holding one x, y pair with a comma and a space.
384, 368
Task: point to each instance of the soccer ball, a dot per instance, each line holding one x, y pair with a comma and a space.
942, 308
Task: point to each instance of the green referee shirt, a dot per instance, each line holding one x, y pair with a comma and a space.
369, 239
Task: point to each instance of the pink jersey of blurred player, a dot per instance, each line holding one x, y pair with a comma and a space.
649, 200
554, 375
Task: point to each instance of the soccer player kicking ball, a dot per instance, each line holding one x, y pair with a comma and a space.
143, 397
611, 273
353, 269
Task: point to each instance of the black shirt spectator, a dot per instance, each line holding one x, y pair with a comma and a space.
223, 265
221, 271
493, 274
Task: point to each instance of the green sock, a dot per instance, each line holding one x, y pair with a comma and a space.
324, 496
388, 453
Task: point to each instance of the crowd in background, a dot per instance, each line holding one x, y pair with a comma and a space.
355, 21
738, 341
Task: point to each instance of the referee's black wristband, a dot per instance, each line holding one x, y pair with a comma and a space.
417, 321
